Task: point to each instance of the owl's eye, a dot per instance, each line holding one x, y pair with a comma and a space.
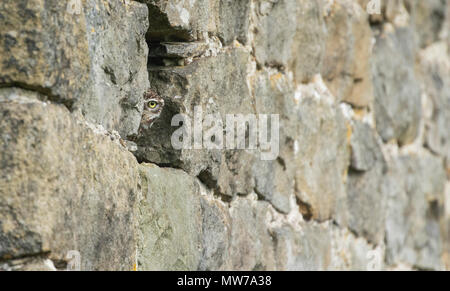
152, 104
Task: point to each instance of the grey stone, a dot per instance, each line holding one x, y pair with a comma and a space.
63, 187
234, 21
316, 247
366, 151
170, 220
217, 85
273, 184
177, 49
181, 20
366, 199
290, 34
305, 251
346, 66
321, 156
43, 50
216, 235
251, 244
194, 20
274, 180
428, 18
118, 56
94, 61
415, 187
28, 264
397, 92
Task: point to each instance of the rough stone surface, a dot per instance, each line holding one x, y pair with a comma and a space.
366, 151
216, 235
428, 18
397, 92
347, 61
285, 27
366, 199
63, 187
250, 240
118, 56
361, 180
321, 154
216, 86
43, 49
274, 180
234, 20
415, 187
181, 20
94, 60
435, 63
169, 220
322, 247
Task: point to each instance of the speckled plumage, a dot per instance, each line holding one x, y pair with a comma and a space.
150, 114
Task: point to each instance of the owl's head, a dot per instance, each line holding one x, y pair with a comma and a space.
153, 106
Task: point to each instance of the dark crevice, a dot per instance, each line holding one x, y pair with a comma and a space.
43, 255
155, 62
355, 233
161, 165
260, 196
206, 178
112, 76
223, 198
421, 268
282, 163
166, 165
434, 211
161, 29
45, 94
353, 106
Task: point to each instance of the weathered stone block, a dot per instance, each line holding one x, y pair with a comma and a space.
92, 58
234, 20
274, 180
428, 19
251, 244
63, 187
313, 247
216, 85
366, 199
435, 64
346, 66
181, 20
44, 49
170, 221
321, 152
309, 249
216, 235
290, 34
397, 92
415, 187
118, 56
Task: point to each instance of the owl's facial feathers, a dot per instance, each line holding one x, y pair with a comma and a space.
153, 106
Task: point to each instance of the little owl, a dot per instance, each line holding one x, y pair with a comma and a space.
153, 106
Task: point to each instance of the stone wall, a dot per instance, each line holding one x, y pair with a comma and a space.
362, 180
